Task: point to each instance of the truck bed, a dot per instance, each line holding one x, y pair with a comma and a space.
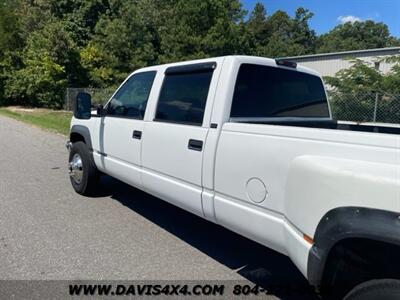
323, 124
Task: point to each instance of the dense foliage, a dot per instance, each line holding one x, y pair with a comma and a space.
362, 93
48, 45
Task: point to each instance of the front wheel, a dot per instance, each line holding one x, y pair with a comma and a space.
83, 173
382, 289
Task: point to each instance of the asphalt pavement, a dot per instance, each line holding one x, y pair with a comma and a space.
48, 232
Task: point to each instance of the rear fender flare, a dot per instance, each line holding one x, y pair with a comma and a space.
349, 222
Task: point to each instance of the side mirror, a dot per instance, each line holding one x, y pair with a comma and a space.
83, 106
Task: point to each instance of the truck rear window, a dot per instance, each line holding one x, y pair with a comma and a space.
263, 91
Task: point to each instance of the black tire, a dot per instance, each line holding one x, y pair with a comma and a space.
90, 175
382, 289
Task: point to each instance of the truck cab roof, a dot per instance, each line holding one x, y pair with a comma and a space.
235, 60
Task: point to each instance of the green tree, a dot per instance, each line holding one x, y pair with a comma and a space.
303, 38
97, 63
391, 82
10, 42
40, 83
280, 27
258, 30
194, 29
9, 26
357, 35
76, 43
356, 90
279, 34
50, 61
79, 17
124, 40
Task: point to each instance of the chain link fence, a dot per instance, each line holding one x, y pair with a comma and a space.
356, 106
365, 106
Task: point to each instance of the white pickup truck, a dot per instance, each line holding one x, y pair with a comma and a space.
249, 143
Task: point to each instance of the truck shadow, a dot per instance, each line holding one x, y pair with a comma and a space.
256, 263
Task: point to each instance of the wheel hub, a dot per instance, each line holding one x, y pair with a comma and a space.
75, 168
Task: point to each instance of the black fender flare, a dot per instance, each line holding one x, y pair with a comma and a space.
83, 131
349, 222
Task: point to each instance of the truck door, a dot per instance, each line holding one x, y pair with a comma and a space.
120, 131
174, 140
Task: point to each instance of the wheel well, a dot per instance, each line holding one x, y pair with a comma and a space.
76, 137
355, 260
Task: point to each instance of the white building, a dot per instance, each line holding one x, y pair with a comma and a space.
328, 64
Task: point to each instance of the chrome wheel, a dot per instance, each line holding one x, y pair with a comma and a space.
75, 168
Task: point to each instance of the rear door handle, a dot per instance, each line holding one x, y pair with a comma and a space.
137, 134
195, 145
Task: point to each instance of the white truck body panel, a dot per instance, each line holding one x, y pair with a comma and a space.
259, 180
293, 164
165, 156
323, 183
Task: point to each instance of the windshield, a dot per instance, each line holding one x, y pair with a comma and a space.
264, 91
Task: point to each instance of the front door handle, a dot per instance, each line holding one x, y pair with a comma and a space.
195, 145
137, 134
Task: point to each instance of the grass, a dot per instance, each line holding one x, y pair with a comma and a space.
56, 121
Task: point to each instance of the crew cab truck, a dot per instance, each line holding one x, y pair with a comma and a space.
249, 143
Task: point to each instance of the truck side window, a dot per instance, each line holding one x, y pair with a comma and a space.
183, 97
131, 99
264, 91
